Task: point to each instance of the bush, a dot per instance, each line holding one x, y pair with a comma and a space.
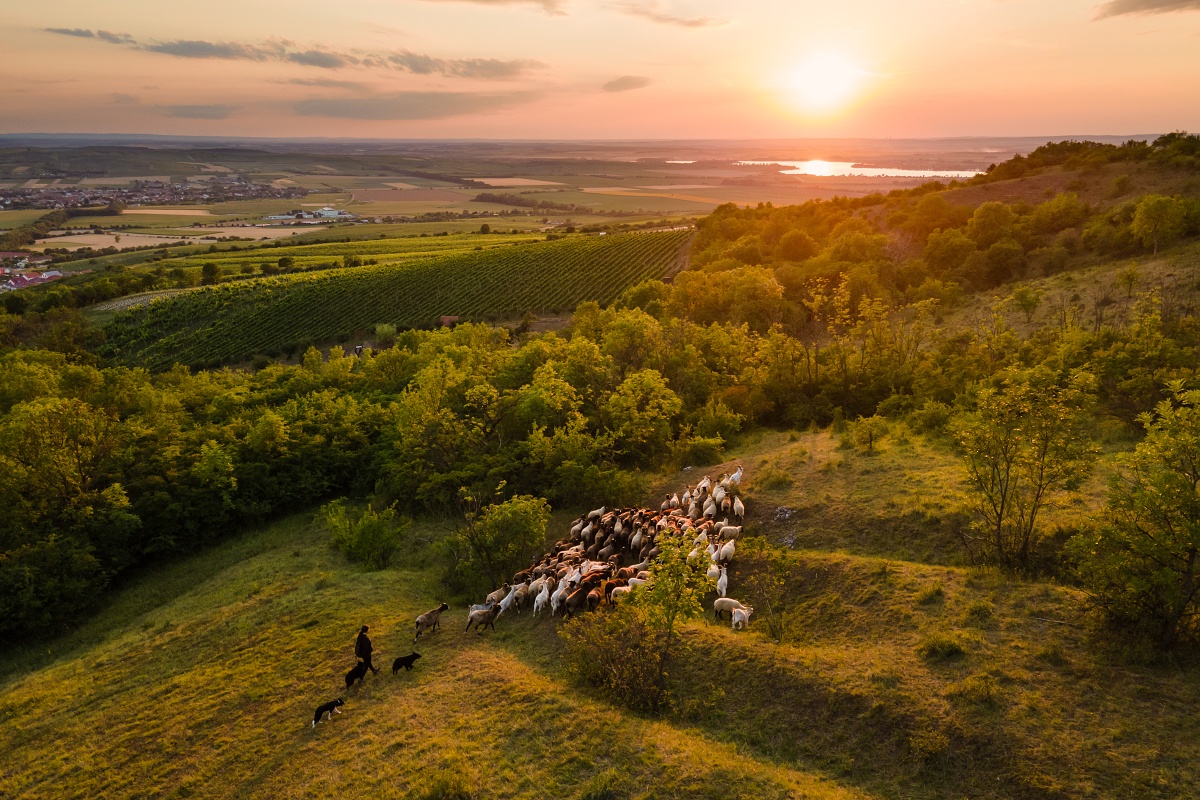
609, 652
697, 451
385, 334
372, 539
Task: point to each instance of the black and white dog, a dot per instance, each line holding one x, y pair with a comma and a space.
328, 708
405, 661
356, 674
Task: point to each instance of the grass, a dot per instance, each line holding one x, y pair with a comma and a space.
199, 678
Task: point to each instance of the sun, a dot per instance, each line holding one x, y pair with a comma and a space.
825, 81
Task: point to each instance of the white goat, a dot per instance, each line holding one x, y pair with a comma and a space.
739, 510
722, 582
542, 598
741, 618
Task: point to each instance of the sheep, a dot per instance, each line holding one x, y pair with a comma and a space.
722, 582
485, 617
718, 495
726, 553
741, 618
666, 503
730, 532
736, 478
521, 597
675, 501
559, 597
739, 510
481, 606
499, 594
725, 604
618, 591
713, 573
430, 620
599, 512
638, 581
510, 600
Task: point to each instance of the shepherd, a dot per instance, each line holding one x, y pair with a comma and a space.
362, 649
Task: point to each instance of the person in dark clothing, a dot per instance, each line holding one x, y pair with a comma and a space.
362, 649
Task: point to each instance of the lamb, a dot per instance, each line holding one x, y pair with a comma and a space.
741, 618
485, 617
724, 605
722, 583
430, 620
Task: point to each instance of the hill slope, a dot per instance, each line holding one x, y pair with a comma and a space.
234, 321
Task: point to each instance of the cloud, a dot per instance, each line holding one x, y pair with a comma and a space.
412, 105
114, 38
215, 111
1115, 8
328, 83
285, 51
194, 48
82, 33
122, 99
626, 83
487, 68
654, 13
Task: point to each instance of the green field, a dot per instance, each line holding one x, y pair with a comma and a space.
234, 321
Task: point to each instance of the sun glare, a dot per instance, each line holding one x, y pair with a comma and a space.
826, 82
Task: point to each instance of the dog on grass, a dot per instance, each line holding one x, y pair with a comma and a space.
356, 674
329, 708
405, 661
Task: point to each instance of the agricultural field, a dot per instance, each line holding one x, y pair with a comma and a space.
234, 321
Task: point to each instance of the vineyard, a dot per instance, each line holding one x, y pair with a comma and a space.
235, 321
383, 250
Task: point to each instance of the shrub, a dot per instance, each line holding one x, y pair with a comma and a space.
609, 652
371, 539
385, 334
941, 647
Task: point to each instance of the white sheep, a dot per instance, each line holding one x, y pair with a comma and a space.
599, 512
726, 554
559, 597
736, 478
713, 573
619, 591
741, 618
730, 532
723, 605
498, 595
722, 582
638, 582
739, 510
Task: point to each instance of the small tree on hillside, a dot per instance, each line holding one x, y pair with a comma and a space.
210, 273
671, 598
1021, 448
1142, 565
762, 570
1157, 219
1027, 300
495, 540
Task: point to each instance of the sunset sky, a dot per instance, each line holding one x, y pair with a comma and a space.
601, 68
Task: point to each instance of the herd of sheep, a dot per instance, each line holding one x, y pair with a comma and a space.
608, 553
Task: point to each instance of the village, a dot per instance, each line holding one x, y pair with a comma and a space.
215, 189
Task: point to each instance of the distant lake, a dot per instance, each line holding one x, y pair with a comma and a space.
828, 169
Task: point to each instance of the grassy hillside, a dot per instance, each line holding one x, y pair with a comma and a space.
267, 315
895, 679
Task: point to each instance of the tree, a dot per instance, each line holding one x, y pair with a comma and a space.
762, 571
947, 250
990, 223
496, 540
1022, 449
286, 262
1027, 300
1128, 279
795, 245
485, 228
866, 432
640, 414
210, 273
1157, 219
671, 597
1141, 567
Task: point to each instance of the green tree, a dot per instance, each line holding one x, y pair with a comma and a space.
641, 413
990, 223
495, 540
670, 598
1157, 220
947, 250
867, 432
210, 273
286, 262
795, 245
1023, 448
1141, 566
1027, 300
